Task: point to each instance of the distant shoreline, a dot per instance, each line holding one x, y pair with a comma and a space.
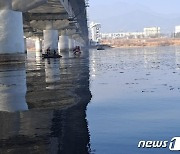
139, 43
121, 47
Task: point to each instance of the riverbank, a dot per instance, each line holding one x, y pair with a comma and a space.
148, 42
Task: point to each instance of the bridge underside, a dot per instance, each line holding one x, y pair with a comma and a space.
73, 17
67, 17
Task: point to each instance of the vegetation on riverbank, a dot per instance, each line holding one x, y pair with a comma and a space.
148, 42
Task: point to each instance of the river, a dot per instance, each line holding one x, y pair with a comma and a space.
135, 97
103, 102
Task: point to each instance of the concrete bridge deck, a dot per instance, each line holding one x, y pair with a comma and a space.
58, 24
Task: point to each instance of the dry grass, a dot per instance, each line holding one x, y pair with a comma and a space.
141, 42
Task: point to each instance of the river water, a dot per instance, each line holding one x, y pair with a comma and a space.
43, 105
135, 97
101, 103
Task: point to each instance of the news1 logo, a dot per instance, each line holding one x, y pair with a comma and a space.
174, 144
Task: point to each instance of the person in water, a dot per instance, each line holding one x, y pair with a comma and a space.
77, 50
48, 50
54, 52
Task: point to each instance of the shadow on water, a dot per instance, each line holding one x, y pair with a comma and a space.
52, 118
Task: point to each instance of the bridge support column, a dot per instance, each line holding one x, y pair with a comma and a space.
71, 44
25, 45
64, 45
77, 43
11, 33
63, 42
38, 44
50, 40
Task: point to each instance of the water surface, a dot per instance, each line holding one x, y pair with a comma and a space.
43, 104
136, 96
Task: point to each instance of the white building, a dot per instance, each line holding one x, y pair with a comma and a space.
95, 32
177, 32
148, 33
177, 29
152, 31
122, 35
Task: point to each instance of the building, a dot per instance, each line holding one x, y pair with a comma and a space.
177, 32
152, 32
95, 35
121, 35
177, 29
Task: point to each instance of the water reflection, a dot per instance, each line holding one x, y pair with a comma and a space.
44, 132
49, 126
151, 58
38, 58
136, 95
66, 54
12, 87
52, 71
177, 52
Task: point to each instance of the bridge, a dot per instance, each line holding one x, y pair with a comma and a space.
59, 24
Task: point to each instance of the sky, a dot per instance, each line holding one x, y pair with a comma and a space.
133, 15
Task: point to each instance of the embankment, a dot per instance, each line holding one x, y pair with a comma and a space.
148, 42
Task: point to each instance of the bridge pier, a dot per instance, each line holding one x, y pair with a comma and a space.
77, 43
11, 33
64, 45
38, 44
71, 43
50, 39
64, 42
25, 45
